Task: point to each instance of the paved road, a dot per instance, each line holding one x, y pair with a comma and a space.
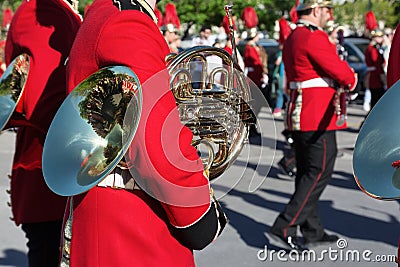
253, 191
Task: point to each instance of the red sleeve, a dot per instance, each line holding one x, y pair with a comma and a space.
161, 152
374, 55
251, 57
321, 51
393, 72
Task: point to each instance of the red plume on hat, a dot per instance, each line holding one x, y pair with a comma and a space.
284, 30
159, 16
370, 21
7, 17
293, 12
225, 25
171, 16
249, 16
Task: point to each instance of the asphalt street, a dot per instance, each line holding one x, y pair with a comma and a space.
253, 191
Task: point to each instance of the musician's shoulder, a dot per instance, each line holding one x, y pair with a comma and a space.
319, 37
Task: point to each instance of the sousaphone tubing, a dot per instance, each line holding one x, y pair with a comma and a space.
92, 130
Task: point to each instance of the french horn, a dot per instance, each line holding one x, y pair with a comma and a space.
213, 102
377, 149
78, 157
12, 84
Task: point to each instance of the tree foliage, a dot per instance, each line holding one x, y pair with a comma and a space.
352, 13
211, 12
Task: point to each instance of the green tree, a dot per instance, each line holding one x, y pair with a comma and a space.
200, 12
352, 12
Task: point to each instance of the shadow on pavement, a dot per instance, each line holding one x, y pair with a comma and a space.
14, 258
348, 182
343, 222
250, 231
360, 227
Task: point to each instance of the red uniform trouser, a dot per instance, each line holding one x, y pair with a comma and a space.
315, 156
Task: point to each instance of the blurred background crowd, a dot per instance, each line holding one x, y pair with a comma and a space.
189, 23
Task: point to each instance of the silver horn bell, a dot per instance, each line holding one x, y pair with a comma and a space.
92, 130
12, 84
377, 149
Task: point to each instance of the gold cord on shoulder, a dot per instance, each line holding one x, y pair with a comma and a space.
148, 8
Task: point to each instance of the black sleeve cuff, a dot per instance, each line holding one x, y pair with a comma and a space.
204, 231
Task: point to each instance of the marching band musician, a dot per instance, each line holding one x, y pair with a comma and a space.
312, 65
376, 77
228, 45
170, 27
45, 30
255, 57
128, 227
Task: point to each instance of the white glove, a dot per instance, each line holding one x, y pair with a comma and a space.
265, 78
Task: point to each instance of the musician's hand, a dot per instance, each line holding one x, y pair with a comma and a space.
265, 78
353, 96
352, 87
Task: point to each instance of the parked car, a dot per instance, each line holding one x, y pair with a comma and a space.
355, 48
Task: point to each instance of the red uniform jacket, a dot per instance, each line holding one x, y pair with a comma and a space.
130, 228
374, 60
308, 54
393, 72
45, 30
252, 61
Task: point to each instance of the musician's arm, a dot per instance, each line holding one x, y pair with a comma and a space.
169, 168
325, 56
198, 235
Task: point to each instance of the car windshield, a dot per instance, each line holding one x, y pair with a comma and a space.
362, 46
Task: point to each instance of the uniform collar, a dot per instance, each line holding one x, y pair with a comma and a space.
140, 5
308, 24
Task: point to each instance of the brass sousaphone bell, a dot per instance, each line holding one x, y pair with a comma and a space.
92, 130
12, 84
377, 149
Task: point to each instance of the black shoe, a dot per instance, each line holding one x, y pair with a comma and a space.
290, 242
325, 239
